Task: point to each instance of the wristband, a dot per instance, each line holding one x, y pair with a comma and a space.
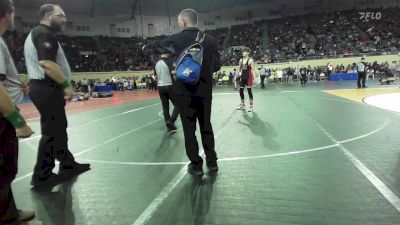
66, 83
15, 119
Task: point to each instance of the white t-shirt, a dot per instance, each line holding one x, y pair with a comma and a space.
263, 72
163, 73
11, 81
361, 67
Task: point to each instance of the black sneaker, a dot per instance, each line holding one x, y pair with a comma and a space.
212, 166
73, 170
48, 181
195, 170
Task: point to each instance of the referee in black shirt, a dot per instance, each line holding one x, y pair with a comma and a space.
49, 73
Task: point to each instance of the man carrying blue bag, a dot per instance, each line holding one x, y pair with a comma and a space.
193, 87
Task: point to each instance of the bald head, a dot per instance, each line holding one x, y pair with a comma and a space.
187, 18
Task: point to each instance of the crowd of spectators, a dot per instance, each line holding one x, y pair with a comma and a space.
311, 36
128, 83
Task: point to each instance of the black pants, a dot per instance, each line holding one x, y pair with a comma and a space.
193, 109
262, 81
303, 80
48, 98
166, 95
362, 76
8, 171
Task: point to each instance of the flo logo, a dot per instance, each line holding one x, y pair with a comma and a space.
367, 16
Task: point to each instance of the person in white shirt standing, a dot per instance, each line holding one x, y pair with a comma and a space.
279, 75
362, 75
236, 79
165, 88
263, 73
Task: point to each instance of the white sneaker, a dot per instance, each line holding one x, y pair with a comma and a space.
251, 109
241, 107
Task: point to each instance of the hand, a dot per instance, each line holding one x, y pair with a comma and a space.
68, 93
24, 132
25, 88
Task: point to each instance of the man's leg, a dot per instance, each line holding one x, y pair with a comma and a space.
187, 110
165, 103
8, 171
39, 94
62, 152
175, 111
262, 81
68, 165
364, 79
8, 211
359, 80
206, 130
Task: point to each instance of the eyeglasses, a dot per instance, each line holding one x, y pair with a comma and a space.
59, 15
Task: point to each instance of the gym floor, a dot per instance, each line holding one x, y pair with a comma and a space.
313, 155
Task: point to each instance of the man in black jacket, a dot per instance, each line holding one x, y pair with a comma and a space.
194, 101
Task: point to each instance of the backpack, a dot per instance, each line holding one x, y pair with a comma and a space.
188, 65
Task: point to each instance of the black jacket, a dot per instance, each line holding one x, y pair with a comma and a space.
175, 45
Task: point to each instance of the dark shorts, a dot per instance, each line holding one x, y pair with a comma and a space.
243, 83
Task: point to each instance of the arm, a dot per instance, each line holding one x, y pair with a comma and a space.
240, 68
6, 105
47, 48
154, 70
52, 70
254, 65
160, 47
217, 60
11, 113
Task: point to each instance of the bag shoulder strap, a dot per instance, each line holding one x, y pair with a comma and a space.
200, 37
198, 41
247, 63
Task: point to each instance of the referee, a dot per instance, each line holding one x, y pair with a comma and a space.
49, 73
263, 73
12, 124
362, 74
165, 88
